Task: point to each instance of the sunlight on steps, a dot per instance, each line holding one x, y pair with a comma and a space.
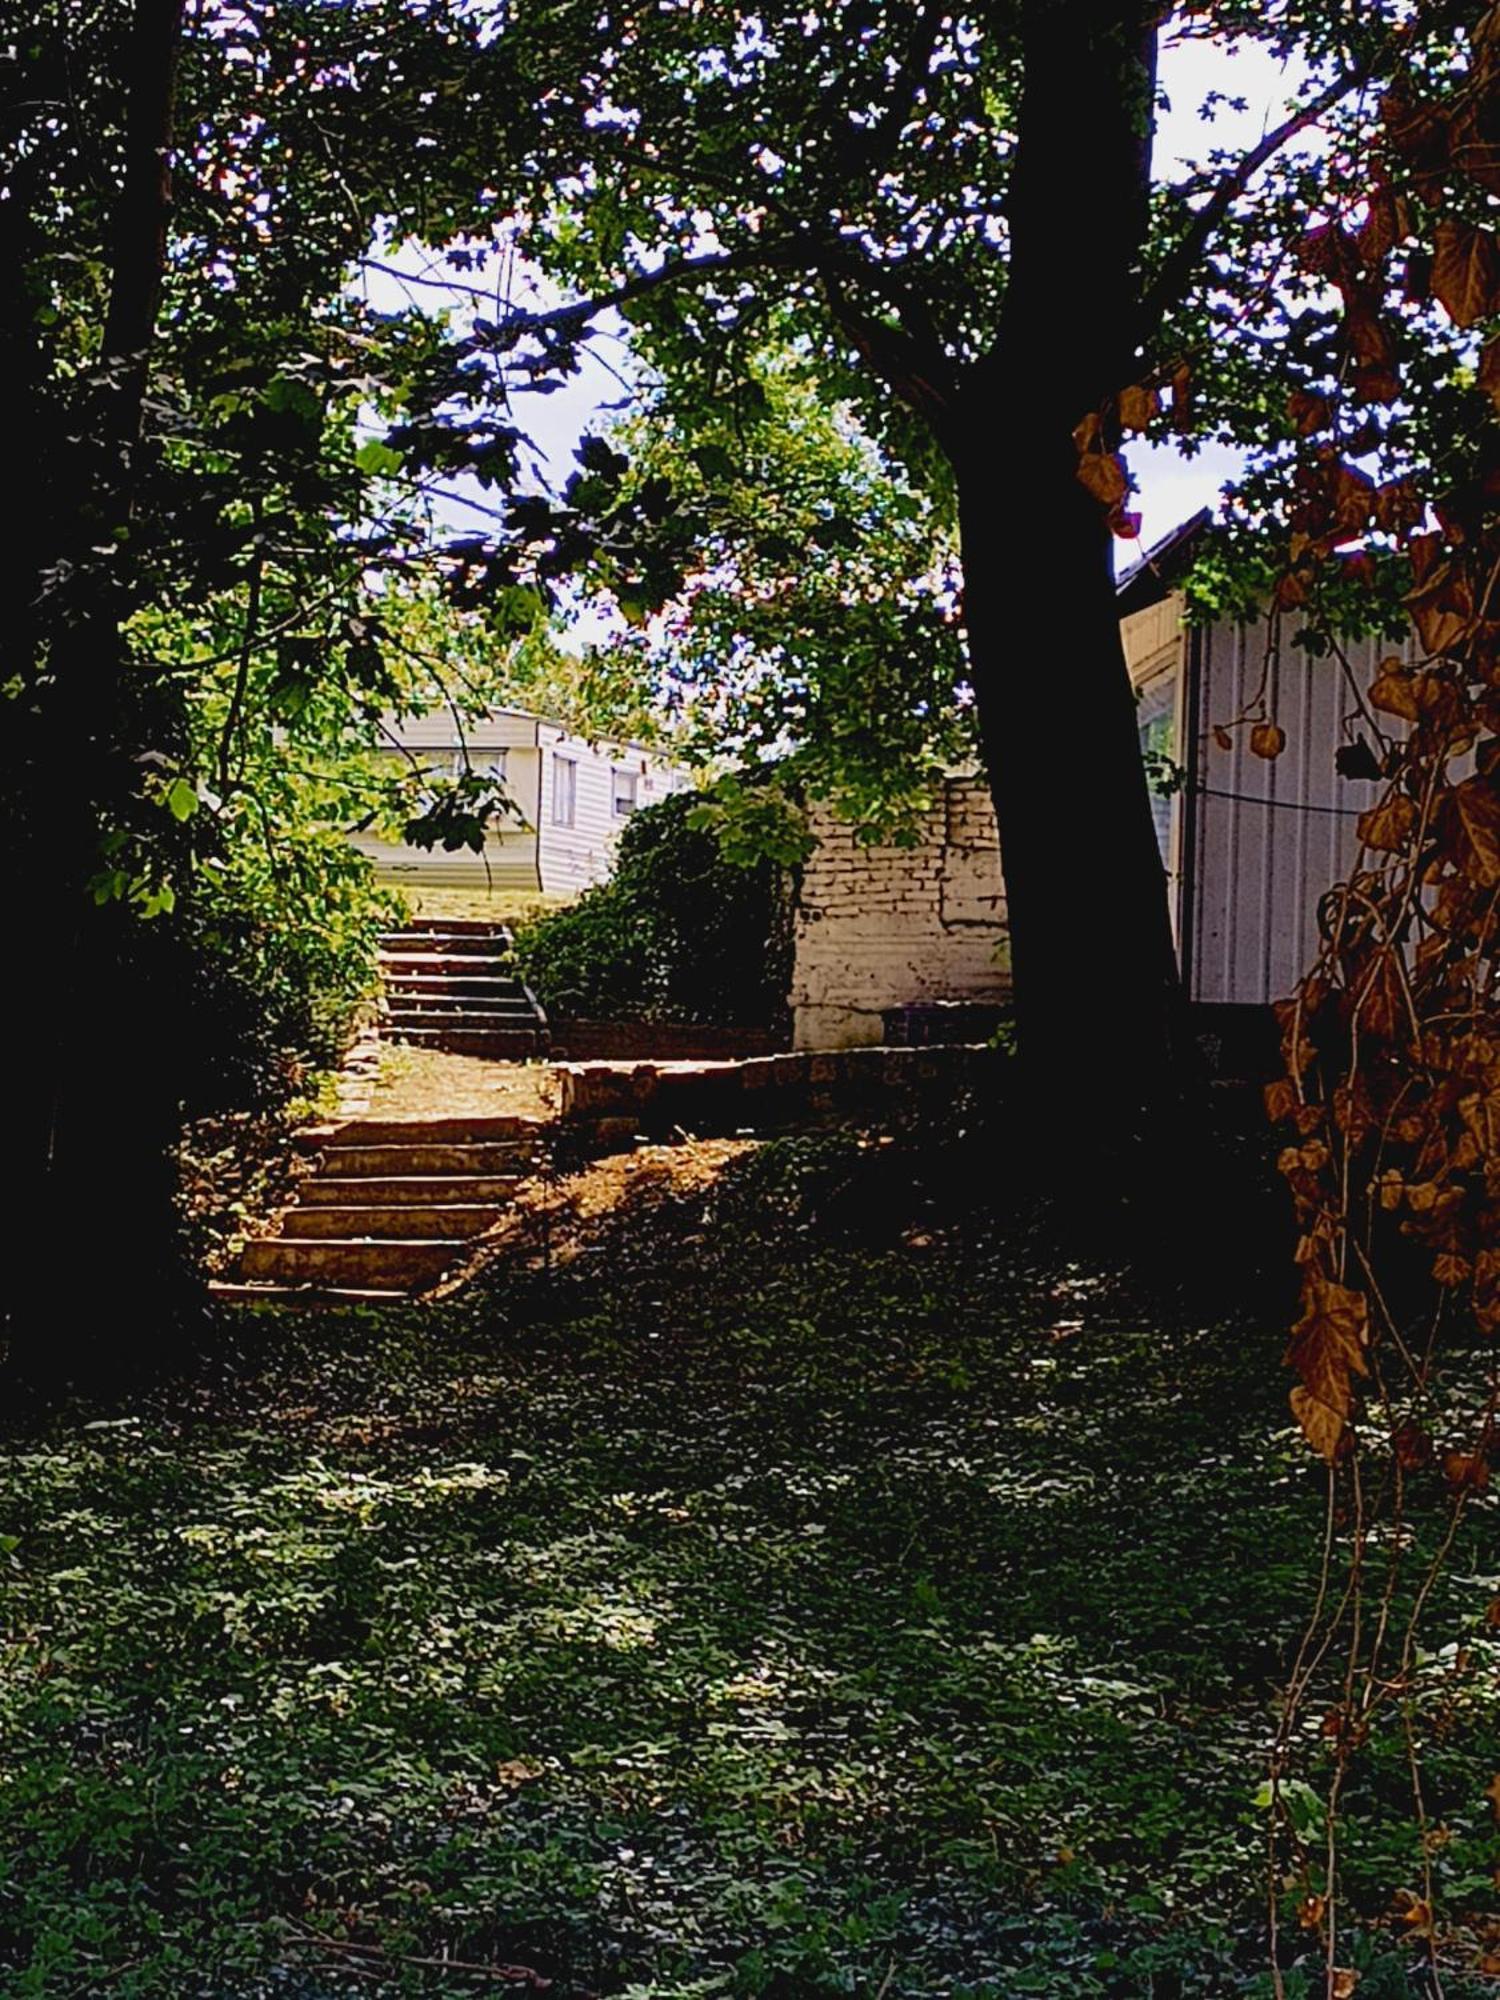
389, 1207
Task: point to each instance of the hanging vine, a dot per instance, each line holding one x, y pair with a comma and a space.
1388, 467
1390, 1101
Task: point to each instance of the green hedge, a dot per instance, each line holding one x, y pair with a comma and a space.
677, 934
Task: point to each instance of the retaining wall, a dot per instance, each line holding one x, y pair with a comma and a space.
602, 1103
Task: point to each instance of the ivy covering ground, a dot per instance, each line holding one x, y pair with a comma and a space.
808, 1588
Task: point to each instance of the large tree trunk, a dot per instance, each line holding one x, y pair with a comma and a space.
93, 1101
1098, 1005
1097, 1000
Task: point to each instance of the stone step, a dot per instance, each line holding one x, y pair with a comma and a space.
425, 963
508, 1043
225, 1293
432, 1009
443, 951
451, 927
441, 1029
399, 1219
405, 1161
400, 1264
386, 1190
502, 984
476, 1128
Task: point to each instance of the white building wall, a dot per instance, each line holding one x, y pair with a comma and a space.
571, 856
532, 852
1269, 838
882, 927
509, 860
1249, 845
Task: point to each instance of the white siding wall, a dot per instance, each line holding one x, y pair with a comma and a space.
509, 860
1269, 837
534, 854
1156, 653
571, 857
881, 927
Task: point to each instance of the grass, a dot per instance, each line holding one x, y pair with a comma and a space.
811, 1587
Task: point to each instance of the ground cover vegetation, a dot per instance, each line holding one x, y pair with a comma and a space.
797, 1583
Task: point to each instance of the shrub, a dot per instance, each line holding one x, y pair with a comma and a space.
678, 933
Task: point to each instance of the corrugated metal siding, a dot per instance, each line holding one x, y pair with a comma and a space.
1271, 837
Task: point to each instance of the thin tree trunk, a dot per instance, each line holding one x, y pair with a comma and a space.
138, 261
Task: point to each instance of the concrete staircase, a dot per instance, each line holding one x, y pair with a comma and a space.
449, 984
388, 1208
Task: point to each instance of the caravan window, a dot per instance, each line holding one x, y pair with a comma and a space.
1156, 719
564, 789
626, 793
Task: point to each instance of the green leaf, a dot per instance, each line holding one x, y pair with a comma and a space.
378, 459
180, 799
289, 397
714, 462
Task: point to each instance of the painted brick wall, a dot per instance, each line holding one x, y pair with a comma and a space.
881, 927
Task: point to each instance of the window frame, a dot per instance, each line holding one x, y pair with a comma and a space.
564, 793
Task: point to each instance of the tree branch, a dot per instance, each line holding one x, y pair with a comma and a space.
676, 271
878, 141
1177, 268
248, 637
818, 257
918, 371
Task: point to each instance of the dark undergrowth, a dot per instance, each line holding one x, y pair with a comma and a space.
819, 1585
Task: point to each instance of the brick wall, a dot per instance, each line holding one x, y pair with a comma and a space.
885, 927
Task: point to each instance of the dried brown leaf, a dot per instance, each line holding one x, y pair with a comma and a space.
1103, 473
1466, 271
1388, 826
1138, 405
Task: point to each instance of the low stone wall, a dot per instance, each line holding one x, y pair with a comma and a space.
603, 1103
656, 1041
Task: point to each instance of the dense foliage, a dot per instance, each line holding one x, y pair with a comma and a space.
819, 628
236, 457
679, 931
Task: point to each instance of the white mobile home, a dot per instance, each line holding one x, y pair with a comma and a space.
572, 795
